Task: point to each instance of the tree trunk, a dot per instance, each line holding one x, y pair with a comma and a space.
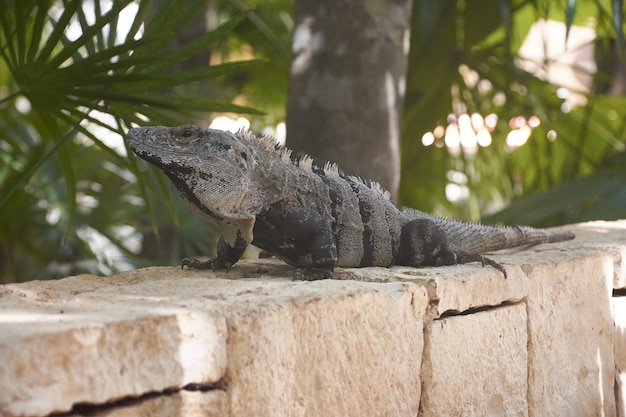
347, 84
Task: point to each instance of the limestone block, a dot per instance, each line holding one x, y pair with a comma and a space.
476, 364
571, 358
619, 269
353, 355
604, 237
452, 288
619, 314
184, 403
53, 360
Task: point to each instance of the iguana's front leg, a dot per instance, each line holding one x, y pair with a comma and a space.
227, 256
300, 236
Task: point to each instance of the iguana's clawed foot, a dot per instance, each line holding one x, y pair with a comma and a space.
213, 264
494, 264
312, 274
463, 258
448, 257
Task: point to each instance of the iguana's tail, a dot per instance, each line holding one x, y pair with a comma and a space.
479, 238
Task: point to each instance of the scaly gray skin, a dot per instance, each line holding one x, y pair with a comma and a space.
308, 213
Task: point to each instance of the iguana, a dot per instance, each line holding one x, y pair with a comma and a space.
307, 212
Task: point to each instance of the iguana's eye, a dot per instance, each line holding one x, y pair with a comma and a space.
185, 136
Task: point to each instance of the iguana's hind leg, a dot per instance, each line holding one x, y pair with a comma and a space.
423, 243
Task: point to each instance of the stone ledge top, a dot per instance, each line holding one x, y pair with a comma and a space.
257, 283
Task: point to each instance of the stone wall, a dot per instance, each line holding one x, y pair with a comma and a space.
455, 341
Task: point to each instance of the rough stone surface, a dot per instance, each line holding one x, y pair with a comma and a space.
570, 325
604, 237
68, 342
619, 312
363, 356
476, 364
452, 289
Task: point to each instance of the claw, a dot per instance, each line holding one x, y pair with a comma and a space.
466, 258
494, 264
312, 274
186, 262
213, 264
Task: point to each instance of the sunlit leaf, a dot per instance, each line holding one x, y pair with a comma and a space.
570, 10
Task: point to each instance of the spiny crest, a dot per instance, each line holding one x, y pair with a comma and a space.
377, 187
305, 161
267, 143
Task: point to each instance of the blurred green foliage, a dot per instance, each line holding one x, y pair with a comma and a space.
579, 176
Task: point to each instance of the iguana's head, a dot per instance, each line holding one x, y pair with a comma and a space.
210, 168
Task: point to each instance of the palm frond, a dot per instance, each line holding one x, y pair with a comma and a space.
51, 149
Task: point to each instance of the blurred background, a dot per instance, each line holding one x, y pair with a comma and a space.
501, 111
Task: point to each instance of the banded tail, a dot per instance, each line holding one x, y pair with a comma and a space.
475, 238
